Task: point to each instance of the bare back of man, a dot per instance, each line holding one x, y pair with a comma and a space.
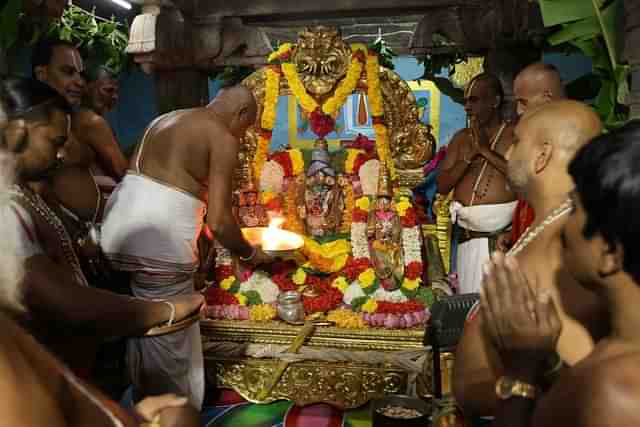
177, 147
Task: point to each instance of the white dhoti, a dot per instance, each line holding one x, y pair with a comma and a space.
474, 252
151, 230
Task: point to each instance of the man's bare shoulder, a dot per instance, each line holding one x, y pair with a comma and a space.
460, 137
87, 119
600, 391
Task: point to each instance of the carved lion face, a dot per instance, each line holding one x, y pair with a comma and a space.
322, 59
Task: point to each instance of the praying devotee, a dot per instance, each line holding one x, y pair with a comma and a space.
183, 167
545, 141
535, 85
65, 314
524, 322
474, 168
38, 389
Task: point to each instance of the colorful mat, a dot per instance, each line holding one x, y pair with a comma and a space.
231, 410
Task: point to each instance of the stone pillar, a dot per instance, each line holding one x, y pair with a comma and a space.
506, 63
632, 53
178, 83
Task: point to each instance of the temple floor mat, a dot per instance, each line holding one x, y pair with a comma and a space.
231, 410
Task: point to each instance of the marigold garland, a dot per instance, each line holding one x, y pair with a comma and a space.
267, 120
262, 312
347, 319
377, 112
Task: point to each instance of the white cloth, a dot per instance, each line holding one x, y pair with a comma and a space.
151, 230
25, 241
473, 253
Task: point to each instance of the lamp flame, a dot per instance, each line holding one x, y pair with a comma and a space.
275, 238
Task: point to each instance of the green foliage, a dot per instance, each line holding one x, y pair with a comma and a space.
357, 303
385, 53
253, 297
426, 296
9, 23
102, 41
593, 27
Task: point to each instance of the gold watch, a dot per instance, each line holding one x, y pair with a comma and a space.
508, 387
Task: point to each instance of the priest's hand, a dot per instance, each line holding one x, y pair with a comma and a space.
185, 305
164, 408
261, 257
479, 139
524, 325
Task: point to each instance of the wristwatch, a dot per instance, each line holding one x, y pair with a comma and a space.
507, 388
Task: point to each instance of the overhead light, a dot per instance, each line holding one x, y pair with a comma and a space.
122, 3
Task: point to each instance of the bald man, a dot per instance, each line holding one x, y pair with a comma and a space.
545, 142
183, 167
534, 86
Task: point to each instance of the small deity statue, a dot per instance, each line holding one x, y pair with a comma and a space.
384, 233
250, 212
322, 202
322, 59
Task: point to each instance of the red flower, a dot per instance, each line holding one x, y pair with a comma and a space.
284, 282
217, 296
282, 267
321, 124
284, 160
328, 300
409, 218
265, 133
358, 215
359, 161
399, 307
413, 270
223, 272
364, 143
354, 267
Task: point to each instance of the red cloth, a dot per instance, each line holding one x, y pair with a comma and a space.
522, 218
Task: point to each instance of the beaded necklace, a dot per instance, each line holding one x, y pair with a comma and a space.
529, 234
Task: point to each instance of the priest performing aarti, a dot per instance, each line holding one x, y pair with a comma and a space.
361, 265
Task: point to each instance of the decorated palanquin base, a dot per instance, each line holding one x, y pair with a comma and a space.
365, 261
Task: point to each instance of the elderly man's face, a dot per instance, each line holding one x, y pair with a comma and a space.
519, 157
64, 73
527, 98
103, 93
37, 144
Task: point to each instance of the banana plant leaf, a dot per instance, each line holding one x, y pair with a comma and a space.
556, 12
584, 29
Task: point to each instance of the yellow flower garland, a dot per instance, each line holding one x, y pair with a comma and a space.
282, 49
297, 161
267, 120
377, 110
333, 104
262, 312
344, 318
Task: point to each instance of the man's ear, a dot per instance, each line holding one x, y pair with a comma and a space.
543, 156
41, 73
610, 258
